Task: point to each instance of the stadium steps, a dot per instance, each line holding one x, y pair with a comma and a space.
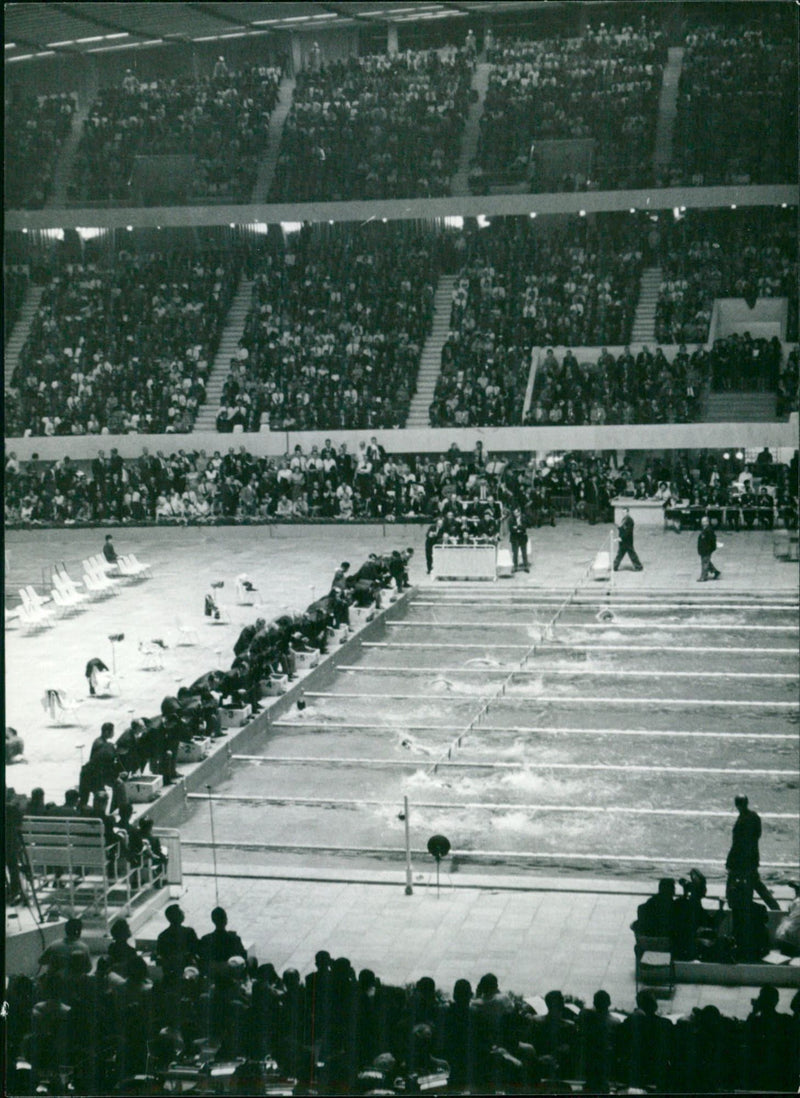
228, 344
266, 170
66, 159
431, 359
20, 332
644, 321
667, 109
469, 138
740, 407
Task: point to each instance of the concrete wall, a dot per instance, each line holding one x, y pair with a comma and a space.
766, 319
501, 205
676, 436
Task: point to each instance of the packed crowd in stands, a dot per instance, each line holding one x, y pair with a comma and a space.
518, 289
334, 484
642, 388
737, 106
334, 333
36, 127
15, 286
335, 1031
708, 255
220, 121
375, 127
603, 86
123, 345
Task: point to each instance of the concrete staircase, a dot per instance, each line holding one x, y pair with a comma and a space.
266, 170
667, 110
20, 332
644, 321
229, 341
66, 159
730, 407
469, 138
431, 359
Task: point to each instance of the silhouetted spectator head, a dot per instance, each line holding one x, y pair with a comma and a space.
462, 992
646, 1002
120, 930
174, 914
741, 802
766, 1001
73, 929
487, 986
666, 887
554, 1001
601, 1001
322, 959
107, 730
219, 918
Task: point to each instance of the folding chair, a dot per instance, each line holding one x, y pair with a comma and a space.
187, 634
143, 568
64, 605
655, 966
34, 616
152, 659
60, 706
67, 588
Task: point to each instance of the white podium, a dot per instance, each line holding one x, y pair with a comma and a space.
465, 562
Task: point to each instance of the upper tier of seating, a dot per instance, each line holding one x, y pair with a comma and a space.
737, 107
604, 86
375, 127
221, 121
35, 129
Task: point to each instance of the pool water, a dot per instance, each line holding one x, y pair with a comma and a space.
616, 747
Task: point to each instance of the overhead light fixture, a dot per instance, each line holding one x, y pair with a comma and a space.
11, 45
129, 228
733, 205
533, 213
582, 213
28, 56
483, 221
739, 455
633, 209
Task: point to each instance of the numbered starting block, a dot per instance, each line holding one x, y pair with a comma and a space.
195, 750
360, 615
274, 686
144, 788
230, 717
305, 660
505, 565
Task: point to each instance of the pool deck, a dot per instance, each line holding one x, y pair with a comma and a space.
534, 932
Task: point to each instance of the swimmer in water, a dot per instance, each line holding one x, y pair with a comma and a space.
410, 744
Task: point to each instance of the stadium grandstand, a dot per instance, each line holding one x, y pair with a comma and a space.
381, 382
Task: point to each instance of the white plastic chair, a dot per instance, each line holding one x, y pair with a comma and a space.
72, 598
34, 614
152, 659
61, 707
145, 569
96, 580
64, 606
187, 634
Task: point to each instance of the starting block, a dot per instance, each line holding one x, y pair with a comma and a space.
360, 615
601, 568
195, 750
305, 659
234, 718
274, 686
145, 788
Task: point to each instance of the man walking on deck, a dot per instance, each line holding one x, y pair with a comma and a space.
625, 546
706, 544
